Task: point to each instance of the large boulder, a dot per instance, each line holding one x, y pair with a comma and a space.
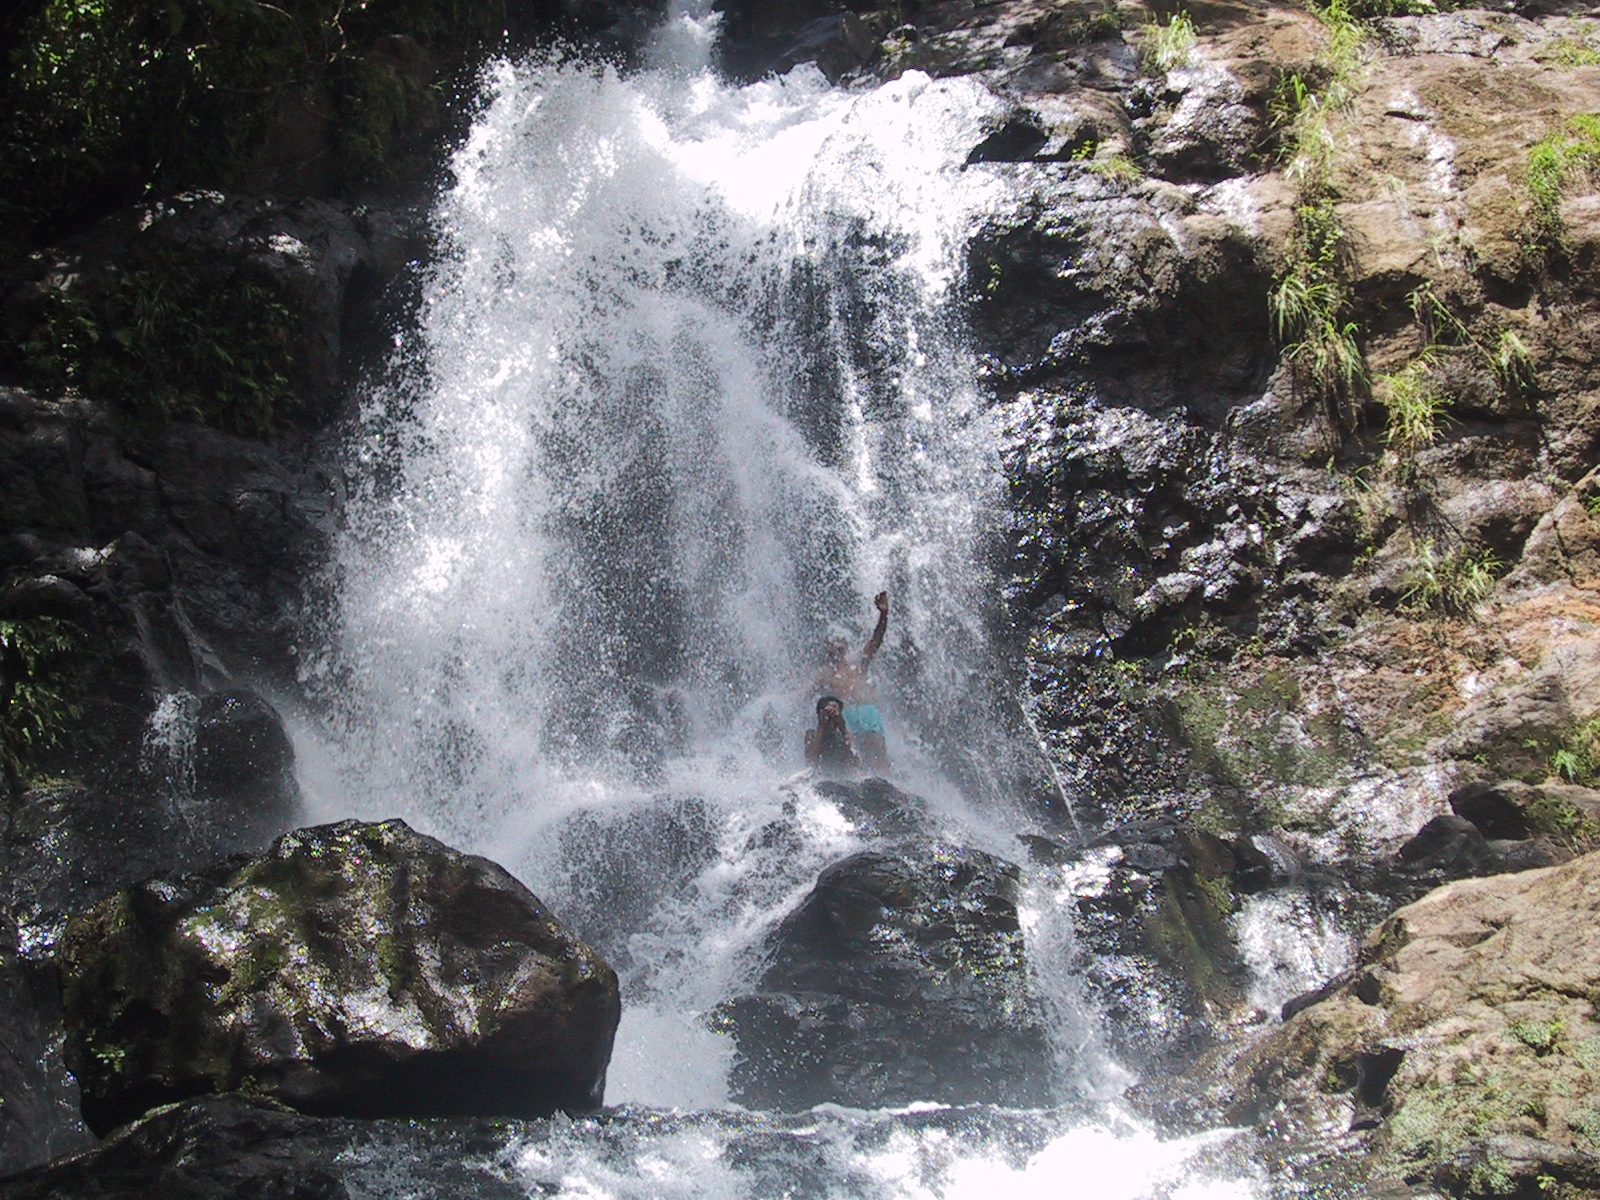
354, 968
1462, 1053
900, 977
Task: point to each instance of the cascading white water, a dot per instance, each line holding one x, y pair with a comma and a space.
689, 387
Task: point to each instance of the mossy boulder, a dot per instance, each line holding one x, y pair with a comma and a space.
358, 969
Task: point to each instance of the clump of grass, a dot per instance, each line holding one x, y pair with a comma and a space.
1311, 311
1118, 168
1555, 162
1455, 581
1168, 47
1512, 363
1310, 305
1415, 403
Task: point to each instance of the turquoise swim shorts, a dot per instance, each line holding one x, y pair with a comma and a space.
863, 718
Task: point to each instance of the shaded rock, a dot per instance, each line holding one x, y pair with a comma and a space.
223, 1147
1158, 950
245, 790
1509, 809
900, 977
38, 1098
360, 969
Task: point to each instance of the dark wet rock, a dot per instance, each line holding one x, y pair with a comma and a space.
901, 977
358, 969
225, 1147
1157, 948
876, 808
245, 792
181, 550
38, 1098
68, 845
1201, 128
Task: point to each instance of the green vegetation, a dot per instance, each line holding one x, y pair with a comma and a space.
1577, 759
41, 683
1439, 1122
1103, 21
108, 99
1454, 582
1416, 396
1170, 46
1368, 9
1311, 305
1542, 1037
1556, 161
1415, 401
1569, 52
167, 339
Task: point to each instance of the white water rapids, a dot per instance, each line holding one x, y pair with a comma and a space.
690, 385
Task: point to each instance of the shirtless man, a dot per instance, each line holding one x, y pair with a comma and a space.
829, 747
848, 680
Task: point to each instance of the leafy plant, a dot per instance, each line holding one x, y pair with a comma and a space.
1453, 582
107, 99
40, 684
1577, 759
1555, 162
1170, 46
167, 339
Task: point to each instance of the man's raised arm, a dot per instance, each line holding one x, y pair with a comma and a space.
881, 603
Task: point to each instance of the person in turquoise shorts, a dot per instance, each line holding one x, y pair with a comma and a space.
849, 681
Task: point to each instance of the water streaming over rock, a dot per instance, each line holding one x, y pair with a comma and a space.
690, 386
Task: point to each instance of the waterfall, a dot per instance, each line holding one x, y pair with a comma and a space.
690, 385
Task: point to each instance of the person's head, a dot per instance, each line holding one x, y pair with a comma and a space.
830, 710
835, 647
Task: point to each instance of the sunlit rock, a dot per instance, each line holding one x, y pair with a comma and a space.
1464, 1043
357, 969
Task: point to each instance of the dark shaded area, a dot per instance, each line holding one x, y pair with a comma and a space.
901, 976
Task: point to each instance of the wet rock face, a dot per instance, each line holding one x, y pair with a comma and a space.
223, 1147
1157, 949
358, 969
39, 1118
901, 977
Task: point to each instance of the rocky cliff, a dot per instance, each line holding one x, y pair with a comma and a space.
1291, 327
